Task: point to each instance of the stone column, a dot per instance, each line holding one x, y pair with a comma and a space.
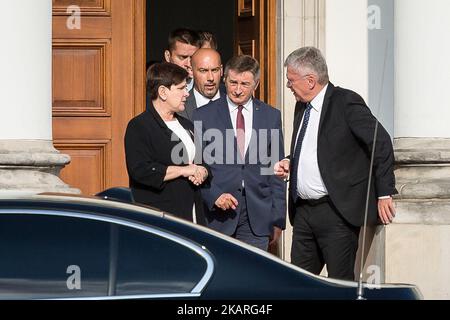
416, 247
300, 23
28, 160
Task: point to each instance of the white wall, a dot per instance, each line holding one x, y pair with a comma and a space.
347, 44
422, 66
25, 64
381, 62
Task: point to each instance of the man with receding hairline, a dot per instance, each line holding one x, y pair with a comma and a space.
329, 168
207, 72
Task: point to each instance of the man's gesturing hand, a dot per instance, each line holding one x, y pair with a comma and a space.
281, 169
226, 201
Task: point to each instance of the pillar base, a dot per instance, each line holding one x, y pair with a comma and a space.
32, 166
422, 168
414, 248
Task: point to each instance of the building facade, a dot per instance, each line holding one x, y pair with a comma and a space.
389, 51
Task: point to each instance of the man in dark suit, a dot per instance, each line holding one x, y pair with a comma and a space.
329, 168
241, 141
207, 72
182, 44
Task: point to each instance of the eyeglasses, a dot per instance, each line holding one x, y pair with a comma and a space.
291, 82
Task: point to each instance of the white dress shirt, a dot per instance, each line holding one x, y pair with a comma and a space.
201, 100
189, 84
309, 180
247, 112
184, 136
186, 139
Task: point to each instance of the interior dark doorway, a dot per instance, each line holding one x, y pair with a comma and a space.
216, 16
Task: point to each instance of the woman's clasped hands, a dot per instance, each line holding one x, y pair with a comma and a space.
196, 174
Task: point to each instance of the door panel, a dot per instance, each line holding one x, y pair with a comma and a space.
98, 86
256, 36
88, 7
90, 164
85, 71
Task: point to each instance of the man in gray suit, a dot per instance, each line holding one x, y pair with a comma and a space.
207, 72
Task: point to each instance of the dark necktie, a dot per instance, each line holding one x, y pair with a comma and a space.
298, 147
240, 131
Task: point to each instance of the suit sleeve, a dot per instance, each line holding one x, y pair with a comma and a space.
198, 159
210, 191
278, 186
142, 168
362, 124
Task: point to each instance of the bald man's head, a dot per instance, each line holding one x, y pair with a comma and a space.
208, 71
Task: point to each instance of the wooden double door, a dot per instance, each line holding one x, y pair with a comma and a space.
99, 79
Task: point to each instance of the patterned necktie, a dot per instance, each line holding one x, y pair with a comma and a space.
240, 131
298, 147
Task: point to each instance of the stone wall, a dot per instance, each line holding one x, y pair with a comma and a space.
416, 247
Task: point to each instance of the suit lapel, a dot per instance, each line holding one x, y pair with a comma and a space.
153, 113
224, 113
258, 120
298, 115
257, 115
191, 105
300, 110
326, 104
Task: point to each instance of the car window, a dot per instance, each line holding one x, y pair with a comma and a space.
53, 257
148, 264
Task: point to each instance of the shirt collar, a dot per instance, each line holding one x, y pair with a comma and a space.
201, 100
233, 107
317, 102
190, 84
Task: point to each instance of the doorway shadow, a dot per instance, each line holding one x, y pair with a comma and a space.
216, 16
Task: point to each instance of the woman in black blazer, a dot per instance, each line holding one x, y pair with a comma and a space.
159, 148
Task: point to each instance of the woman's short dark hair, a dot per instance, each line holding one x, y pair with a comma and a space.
164, 74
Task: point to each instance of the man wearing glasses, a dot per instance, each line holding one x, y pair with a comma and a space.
329, 168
